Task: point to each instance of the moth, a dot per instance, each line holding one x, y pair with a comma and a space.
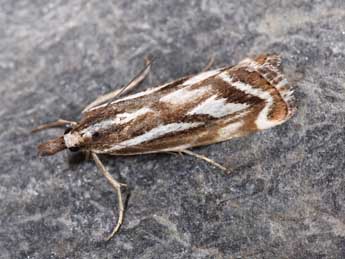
195, 110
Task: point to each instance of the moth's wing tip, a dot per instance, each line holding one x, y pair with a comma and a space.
275, 60
272, 59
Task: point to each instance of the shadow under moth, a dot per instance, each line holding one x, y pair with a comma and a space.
196, 110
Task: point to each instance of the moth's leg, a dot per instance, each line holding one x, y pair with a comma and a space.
209, 64
138, 78
117, 186
205, 158
87, 155
54, 124
133, 83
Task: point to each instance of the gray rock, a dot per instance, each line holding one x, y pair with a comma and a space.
285, 197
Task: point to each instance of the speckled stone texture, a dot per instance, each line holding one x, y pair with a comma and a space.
285, 196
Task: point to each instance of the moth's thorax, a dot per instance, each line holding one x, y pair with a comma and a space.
73, 139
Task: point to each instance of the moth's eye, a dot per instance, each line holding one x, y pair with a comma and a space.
96, 134
73, 149
67, 130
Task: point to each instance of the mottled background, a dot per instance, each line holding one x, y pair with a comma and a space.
285, 197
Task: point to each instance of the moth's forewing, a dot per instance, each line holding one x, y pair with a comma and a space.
206, 108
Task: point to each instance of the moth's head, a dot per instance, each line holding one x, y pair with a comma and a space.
71, 140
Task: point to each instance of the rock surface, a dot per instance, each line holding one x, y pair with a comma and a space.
285, 196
